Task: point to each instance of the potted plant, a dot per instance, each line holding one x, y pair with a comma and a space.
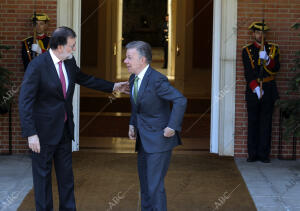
290, 108
5, 86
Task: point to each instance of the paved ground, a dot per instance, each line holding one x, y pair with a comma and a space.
15, 180
273, 187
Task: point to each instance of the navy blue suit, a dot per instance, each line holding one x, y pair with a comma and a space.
42, 109
150, 115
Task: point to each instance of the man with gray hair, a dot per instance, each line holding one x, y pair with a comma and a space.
153, 124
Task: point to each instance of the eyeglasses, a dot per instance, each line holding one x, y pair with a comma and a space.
71, 46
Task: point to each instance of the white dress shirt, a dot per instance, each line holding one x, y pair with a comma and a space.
141, 76
55, 61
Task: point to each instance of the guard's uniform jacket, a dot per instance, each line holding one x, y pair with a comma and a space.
28, 54
260, 110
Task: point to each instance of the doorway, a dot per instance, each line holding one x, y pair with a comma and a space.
107, 26
148, 21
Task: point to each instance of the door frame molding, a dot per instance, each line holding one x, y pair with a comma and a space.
223, 77
223, 70
69, 14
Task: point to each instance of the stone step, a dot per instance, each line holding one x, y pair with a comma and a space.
109, 124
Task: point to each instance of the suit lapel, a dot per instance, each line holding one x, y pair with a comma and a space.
69, 78
143, 84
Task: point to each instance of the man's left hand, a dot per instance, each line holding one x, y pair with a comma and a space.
122, 87
169, 132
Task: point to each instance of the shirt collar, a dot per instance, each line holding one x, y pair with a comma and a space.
142, 73
54, 58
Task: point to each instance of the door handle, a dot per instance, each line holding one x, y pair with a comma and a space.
177, 49
115, 49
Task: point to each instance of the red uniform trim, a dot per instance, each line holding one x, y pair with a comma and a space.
253, 84
271, 65
40, 37
257, 44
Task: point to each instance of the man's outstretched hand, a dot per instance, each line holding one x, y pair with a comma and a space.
122, 87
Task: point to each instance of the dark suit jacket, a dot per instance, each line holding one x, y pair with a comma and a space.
152, 112
42, 105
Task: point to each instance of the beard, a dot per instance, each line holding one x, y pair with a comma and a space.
70, 56
67, 56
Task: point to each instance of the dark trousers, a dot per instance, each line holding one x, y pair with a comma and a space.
260, 125
41, 169
152, 169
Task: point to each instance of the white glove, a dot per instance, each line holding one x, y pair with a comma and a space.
257, 91
36, 48
264, 56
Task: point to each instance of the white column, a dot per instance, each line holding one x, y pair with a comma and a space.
223, 77
216, 55
69, 14
228, 77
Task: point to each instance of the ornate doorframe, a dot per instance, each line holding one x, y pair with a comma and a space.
69, 14
223, 70
223, 77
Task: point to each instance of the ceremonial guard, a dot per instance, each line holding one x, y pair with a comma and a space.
165, 40
39, 42
261, 63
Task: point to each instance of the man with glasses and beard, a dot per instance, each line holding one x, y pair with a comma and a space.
46, 113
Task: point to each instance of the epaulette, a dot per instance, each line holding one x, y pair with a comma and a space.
271, 43
27, 38
247, 45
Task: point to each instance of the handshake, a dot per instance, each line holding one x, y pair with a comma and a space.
122, 87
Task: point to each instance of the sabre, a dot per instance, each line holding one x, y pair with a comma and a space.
34, 30
262, 62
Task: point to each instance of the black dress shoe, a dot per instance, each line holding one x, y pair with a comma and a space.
251, 159
265, 160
